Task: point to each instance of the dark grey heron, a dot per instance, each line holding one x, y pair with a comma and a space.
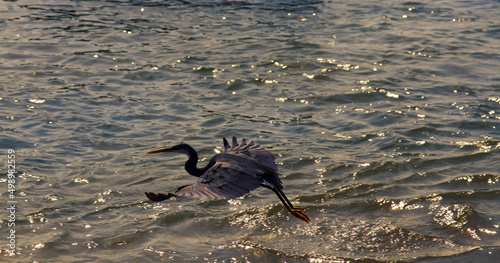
236, 171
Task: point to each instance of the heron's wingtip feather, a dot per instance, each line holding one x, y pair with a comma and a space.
226, 144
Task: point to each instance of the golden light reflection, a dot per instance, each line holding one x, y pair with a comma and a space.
37, 101
51, 197
91, 245
346, 67
38, 246
392, 95
466, 178
435, 198
276, 63
321, 170
419, 54
398, 206
250, 218
38, 216
309, 76
473, 233
342, 136
266, 81
159, 252
100, 197
483, 146
494, 99
80, 181
326, 60
487, 231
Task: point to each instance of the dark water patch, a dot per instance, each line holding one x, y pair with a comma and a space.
429, 163
354, 191
472, 196
474, 181
429, 132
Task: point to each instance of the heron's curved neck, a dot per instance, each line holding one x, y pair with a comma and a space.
190, 165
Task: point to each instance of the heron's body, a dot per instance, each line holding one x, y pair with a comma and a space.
239, 169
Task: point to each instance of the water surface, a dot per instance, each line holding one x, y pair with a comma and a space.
383, 116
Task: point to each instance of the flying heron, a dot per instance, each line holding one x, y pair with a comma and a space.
239, 169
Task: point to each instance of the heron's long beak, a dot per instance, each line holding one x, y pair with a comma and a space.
160, 151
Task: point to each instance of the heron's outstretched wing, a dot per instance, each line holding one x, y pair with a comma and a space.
225, 179
251, 150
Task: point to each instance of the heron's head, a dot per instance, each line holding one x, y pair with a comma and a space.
179, 148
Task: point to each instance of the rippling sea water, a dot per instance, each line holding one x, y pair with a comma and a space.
384, 117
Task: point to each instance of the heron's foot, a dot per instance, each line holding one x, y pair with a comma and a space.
299, 212
298, 209
158, 196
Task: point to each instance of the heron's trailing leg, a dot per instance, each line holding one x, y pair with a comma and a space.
296, 211
159, 196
